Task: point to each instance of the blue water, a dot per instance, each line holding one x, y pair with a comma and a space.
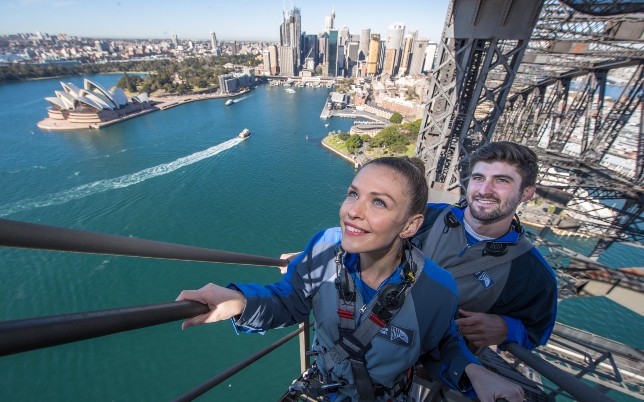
177, 176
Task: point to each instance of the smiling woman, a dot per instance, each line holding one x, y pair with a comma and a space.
373, 295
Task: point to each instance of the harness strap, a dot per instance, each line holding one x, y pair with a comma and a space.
430, 244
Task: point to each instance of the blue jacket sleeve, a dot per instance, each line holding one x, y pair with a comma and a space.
287, 302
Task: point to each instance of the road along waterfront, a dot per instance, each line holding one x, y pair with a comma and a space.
164, 176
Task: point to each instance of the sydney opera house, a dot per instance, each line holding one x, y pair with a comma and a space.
91, 106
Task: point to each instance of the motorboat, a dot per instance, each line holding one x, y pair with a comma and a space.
289, 90
229, 102
245, 133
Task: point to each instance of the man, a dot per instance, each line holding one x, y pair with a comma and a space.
506, 290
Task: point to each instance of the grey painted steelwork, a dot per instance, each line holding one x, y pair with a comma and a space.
36, 333
42, 237
482, 40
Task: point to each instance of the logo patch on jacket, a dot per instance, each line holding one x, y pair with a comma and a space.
397, 335
484, 279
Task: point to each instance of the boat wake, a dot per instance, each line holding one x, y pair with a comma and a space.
119, 182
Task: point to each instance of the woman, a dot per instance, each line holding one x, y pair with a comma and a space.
379, 304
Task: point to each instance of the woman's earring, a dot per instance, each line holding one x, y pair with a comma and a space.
402, 236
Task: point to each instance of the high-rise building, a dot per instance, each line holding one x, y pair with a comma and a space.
213, 40
374, 49
418, 56
288, 58
344, 36
414, 33
310, 48
328, 21
365, 36
429, 58
235, 47
266, 56
332, 56
395, 34
272, 50
381, 56
352, 57
390, 61
291, 33
175, 40
341, 70
405, 58
323, 44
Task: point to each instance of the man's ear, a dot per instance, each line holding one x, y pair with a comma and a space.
413, 224
528, 193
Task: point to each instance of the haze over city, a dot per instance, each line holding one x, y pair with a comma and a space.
247, 20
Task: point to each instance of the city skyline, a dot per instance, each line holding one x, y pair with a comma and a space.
196, 19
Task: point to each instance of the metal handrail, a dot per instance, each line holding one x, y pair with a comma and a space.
574, 386
36, 333
229, 372
43, 237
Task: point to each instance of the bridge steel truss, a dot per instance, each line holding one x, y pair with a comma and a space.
531, 72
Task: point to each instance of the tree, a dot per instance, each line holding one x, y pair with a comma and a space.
365, 138
353, 143
344, 136
396, 118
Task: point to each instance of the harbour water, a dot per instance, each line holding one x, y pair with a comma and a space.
180, 176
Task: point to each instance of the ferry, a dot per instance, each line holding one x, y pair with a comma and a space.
274, 83
229, 102
245, 133
289, 90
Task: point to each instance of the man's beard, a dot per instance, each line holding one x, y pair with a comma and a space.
502, 210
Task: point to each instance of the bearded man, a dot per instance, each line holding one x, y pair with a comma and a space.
506, 290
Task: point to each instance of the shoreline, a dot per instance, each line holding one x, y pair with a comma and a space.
339, 153
49, 124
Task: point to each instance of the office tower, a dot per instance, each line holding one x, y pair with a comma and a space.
190, 45
175, 40
344, 36
272, 50
418, 56
372, 60
291, 33
309, 63
266, 56
213, 40
328, 21
390, 61
341, 62
365, 36
332, 55
310, 48
414, 33
288, 59
395, 34
429, 58
323, 44
381, 56
408, 47
352, 57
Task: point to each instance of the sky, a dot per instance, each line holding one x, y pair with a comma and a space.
245, 20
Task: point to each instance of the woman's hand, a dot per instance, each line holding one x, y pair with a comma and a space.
288, 257
223, 303
490, 386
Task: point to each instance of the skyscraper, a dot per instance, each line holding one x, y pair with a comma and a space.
418, 56
352, 58
429, 58
288, 67
408, 47
323, 44
374, 47
365, 36
328, 21
310, 49
332, 56
213, 40
266, 56
175, 41
272, 51
291, 33
344, 36
395, 34
390, 61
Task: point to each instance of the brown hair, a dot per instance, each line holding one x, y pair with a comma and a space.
523, 158
413, 170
